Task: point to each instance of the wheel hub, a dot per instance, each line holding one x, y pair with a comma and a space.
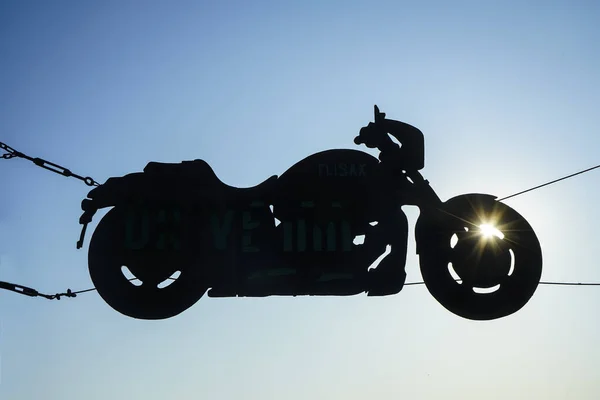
149, 268
481, 262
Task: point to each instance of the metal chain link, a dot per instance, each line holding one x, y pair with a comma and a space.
11, 153
27, 291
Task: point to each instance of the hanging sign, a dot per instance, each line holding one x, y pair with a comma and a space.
175, 232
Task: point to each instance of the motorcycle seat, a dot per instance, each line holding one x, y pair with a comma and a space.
265, 185
200, 170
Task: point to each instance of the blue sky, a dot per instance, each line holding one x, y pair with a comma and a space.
505, 93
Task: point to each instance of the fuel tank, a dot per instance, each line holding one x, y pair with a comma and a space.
335, 184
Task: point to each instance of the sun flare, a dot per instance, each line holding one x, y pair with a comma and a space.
488, 230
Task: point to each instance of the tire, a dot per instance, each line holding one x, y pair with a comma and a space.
108, 254
493, 277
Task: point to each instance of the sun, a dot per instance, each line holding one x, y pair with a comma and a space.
489, 230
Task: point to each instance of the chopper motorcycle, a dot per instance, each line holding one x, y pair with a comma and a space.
182, 232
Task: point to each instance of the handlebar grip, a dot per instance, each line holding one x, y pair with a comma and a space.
379, 116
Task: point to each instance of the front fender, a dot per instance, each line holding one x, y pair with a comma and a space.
431, 218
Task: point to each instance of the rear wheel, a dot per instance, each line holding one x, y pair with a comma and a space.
139, 273
479, 258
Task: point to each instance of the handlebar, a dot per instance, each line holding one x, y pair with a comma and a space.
379, 117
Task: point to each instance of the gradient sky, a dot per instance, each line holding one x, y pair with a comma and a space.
506, 94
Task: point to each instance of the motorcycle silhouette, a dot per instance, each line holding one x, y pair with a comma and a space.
315, 230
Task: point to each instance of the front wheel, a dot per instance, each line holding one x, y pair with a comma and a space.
164, 281
479, 258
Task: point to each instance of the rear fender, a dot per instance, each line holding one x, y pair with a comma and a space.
117, 190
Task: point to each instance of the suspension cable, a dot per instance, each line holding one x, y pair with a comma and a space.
541, 283
11, 153
549, 183
69, 293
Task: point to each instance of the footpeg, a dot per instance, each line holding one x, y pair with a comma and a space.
385, 284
